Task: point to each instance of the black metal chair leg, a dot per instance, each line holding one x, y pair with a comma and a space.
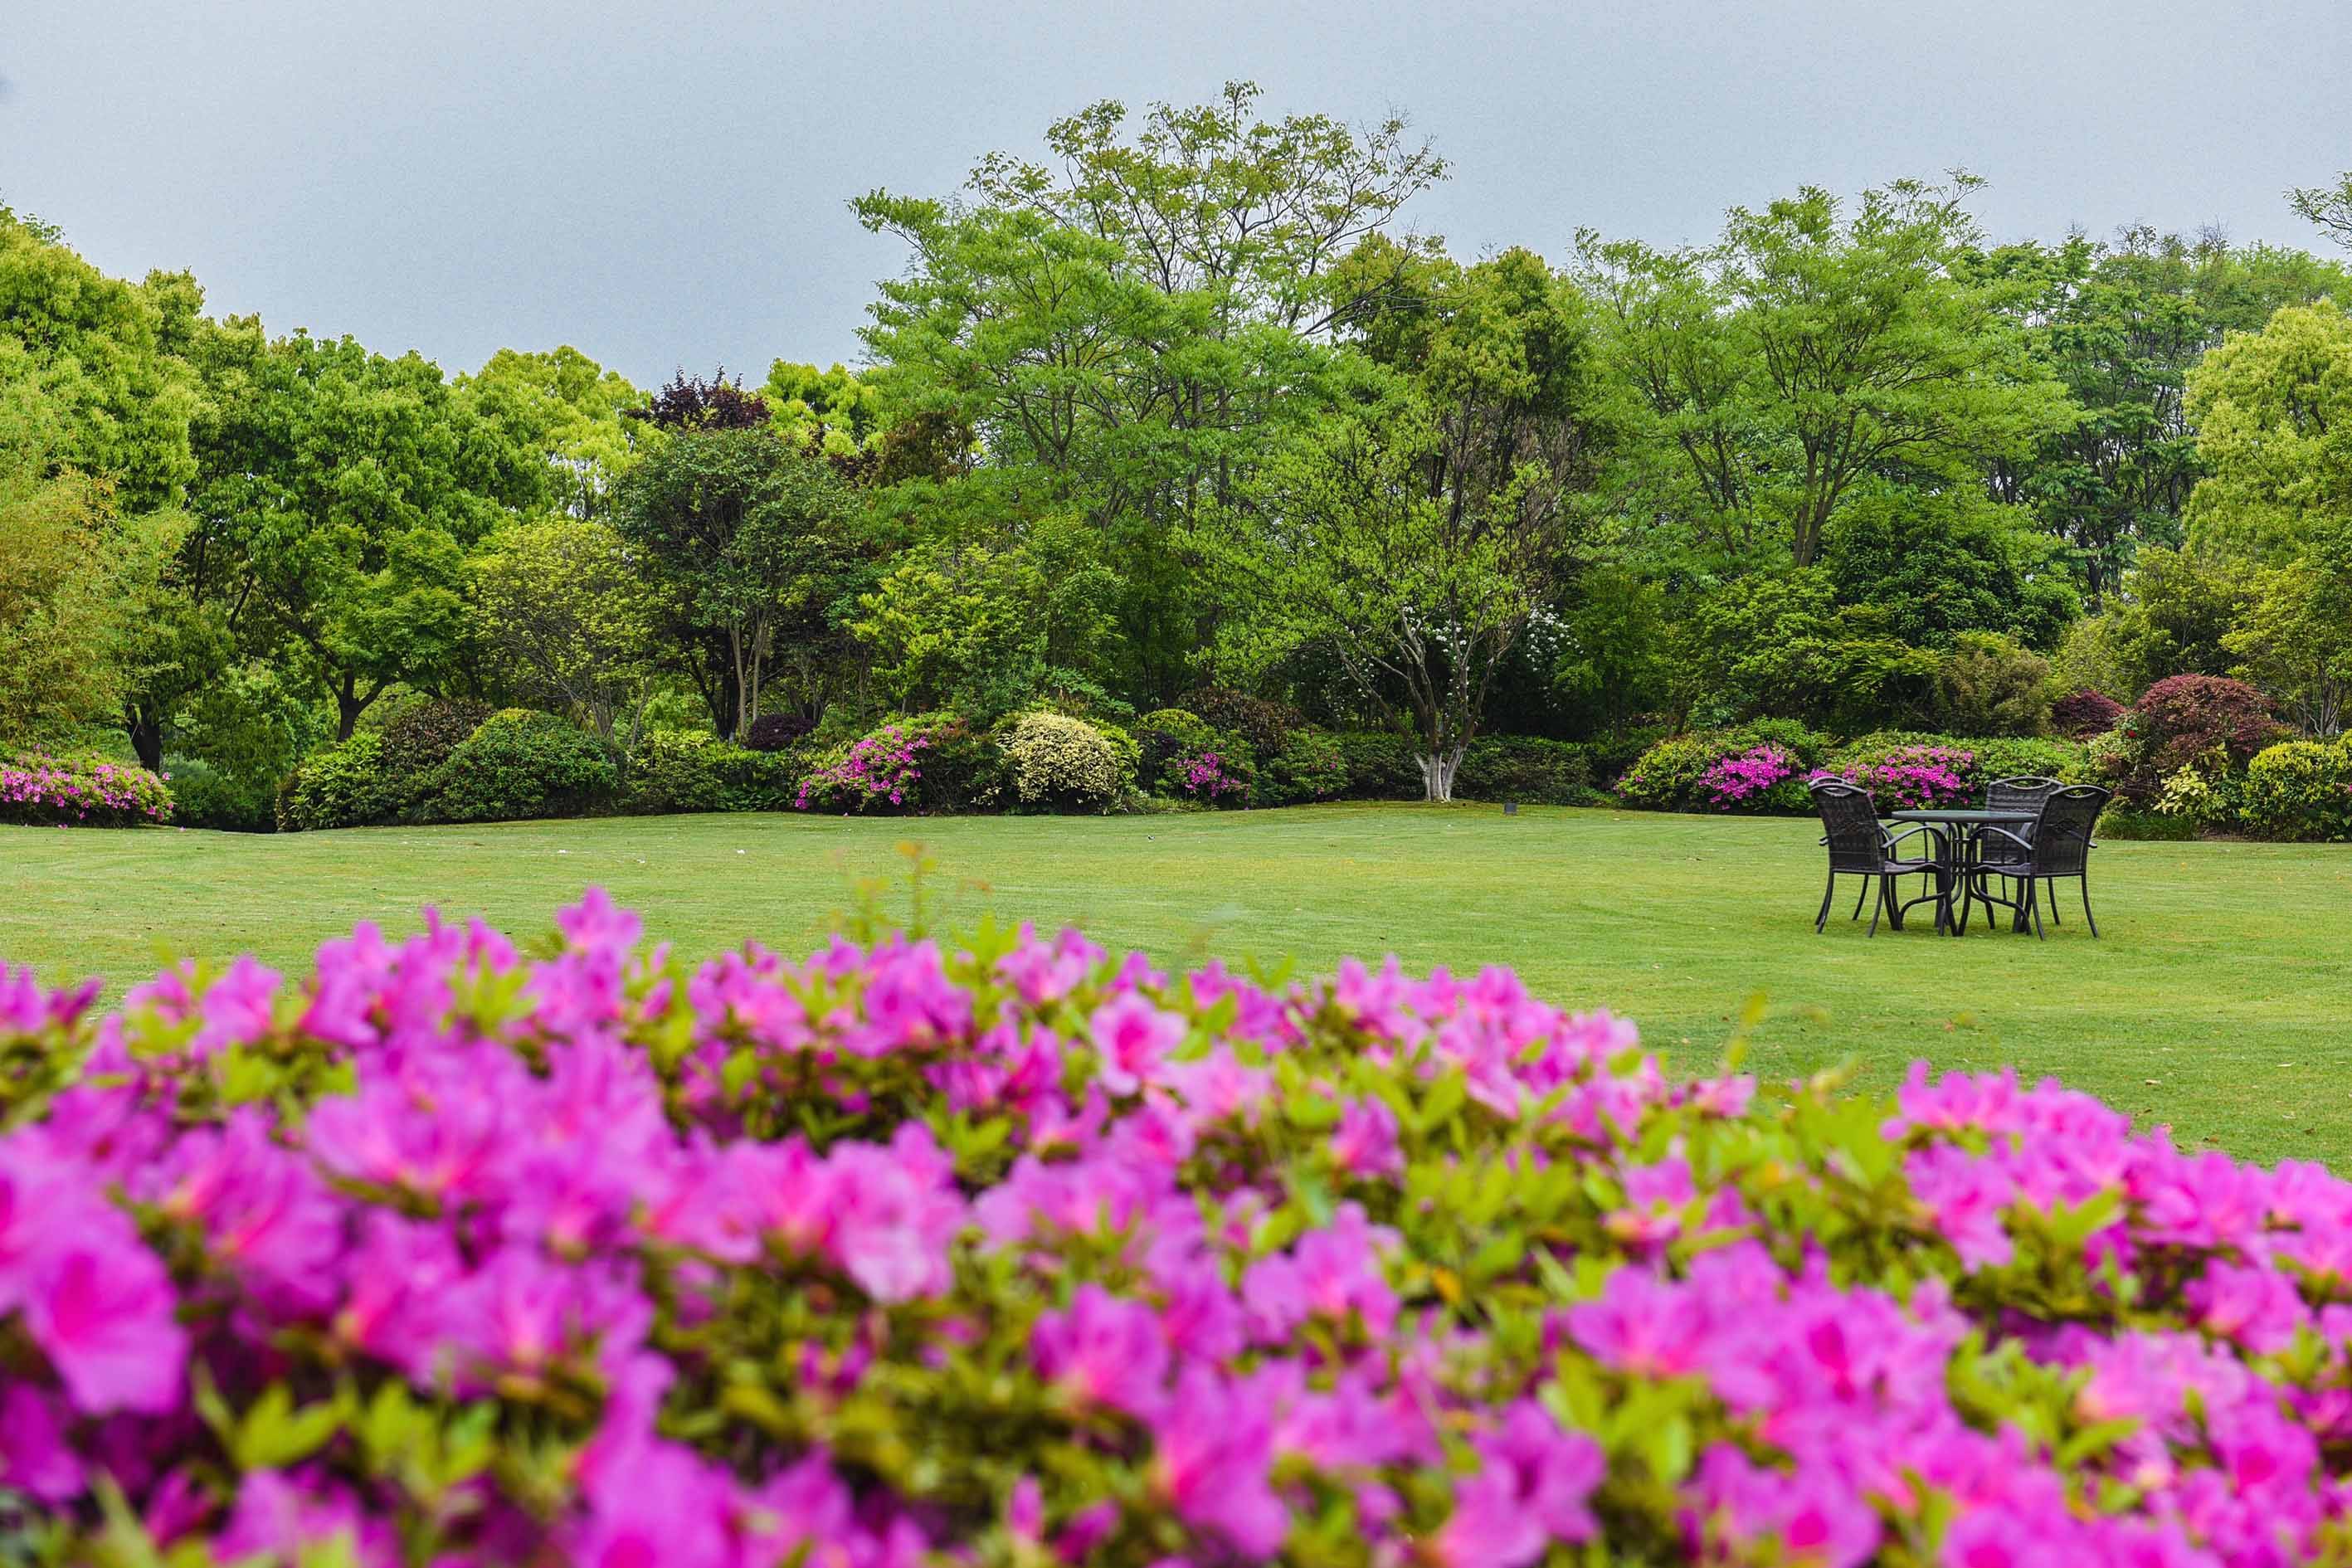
1861, 894
2086, 904
1822, 919
2034, 903
1879, 908
2053, 903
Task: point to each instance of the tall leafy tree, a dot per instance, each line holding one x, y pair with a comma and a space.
2329, 207
1124, 334
337, 496
751, 535
1419, 535
1814, 347
2122, 326
567, 613
2273, 415
568, 408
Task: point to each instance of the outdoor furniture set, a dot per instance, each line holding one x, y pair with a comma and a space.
2030, 833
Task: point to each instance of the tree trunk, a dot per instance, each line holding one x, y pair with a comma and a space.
146, 729
1437, 771
350, 705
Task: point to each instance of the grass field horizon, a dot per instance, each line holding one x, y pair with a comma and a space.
2215, 1002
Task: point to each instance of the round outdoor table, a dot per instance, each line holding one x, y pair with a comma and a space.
1954, 829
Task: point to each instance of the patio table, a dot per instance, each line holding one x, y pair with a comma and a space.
1954, 829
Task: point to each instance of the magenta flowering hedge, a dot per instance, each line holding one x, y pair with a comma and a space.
1745, 778
1208, 777
1913, 778
80, 792
880, 771
1018, 1253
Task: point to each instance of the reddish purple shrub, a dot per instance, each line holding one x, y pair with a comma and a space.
2079, 715
2183, 719
774, 732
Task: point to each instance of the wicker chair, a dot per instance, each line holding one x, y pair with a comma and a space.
1859, 847
2005, 856
2058, 847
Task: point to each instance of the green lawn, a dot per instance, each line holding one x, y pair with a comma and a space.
2216, 1001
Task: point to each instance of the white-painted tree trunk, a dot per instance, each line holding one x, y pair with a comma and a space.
1437, 771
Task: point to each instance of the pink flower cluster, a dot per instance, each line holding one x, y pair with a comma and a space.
1744, 777
1912, 778
879, 767
1205, 776
37, 787
1020, 1253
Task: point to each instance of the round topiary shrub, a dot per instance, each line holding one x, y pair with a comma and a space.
346, 784
2299, 790
519, 765
1011, 1251
694, 770
1059, 763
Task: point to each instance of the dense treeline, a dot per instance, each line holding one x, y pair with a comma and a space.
1186, 435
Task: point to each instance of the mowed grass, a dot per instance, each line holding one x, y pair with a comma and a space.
2216, 1000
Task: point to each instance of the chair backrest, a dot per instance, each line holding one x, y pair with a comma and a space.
1850, 822
2022, 792
2062, 837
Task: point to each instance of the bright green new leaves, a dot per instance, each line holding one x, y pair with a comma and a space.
567, 407
1813, 347
747, 531
2329, 207
2273, 413
566, 606
339, 493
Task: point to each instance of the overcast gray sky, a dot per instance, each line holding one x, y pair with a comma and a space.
661, 184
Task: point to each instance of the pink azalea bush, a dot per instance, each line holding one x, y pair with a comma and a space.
1912, 778
1745, 778
879, 770
1208, 777
78, 791
1020, 1253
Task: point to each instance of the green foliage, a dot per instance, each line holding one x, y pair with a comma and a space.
1936, 566
1988, 684
342, 786
565, 610
520, 764
756, 543
1815, 344
234, 745
1379, 764
2300, 790
2297, 638
989, 630
567, 408
1059, 763
337, 495
1166, 736
2274, 416
694, 770
1311, 764
1776, 645
1527, 769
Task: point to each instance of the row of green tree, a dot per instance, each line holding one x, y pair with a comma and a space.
1188, 403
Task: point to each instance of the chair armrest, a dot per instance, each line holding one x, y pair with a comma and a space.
1892, 839
2005, 833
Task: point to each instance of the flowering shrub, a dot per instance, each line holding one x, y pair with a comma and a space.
80, 792
1018, 1253
1912, 778
1746, 778
1207, 778
878, 772
1058, 760
1717, 769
